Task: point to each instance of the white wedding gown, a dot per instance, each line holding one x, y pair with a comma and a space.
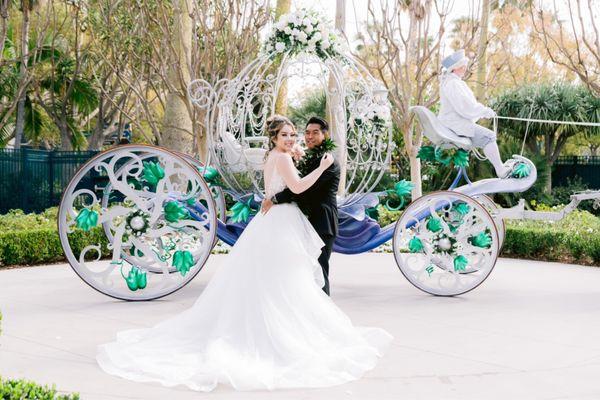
262, 322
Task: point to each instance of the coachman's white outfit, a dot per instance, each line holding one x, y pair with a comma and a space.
459, 110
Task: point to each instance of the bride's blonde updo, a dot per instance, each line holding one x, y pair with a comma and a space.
274, 124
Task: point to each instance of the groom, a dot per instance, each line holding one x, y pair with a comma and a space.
319, 201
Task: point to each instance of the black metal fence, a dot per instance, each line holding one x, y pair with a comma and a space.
33, 180
585, 167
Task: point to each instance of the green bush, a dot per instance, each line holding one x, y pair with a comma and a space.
13, 389
16, 220
40, 246
576, 238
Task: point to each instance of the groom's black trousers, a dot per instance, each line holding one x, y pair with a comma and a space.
324, 258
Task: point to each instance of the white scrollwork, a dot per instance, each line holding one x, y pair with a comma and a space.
137, 196
446, 243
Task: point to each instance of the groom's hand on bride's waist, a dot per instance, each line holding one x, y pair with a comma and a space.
266, 205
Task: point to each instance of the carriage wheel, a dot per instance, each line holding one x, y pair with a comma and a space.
492, 208
446, 243
150, 246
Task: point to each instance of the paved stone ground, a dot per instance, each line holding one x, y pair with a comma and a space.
531, 331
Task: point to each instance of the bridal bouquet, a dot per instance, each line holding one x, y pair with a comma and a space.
303, 31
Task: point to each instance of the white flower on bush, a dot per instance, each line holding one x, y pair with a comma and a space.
325, 44
309, 28
295, 32
306, 22
279, 47
317, 36
302, 37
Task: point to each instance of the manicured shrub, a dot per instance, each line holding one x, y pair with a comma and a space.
43, 245
20, 389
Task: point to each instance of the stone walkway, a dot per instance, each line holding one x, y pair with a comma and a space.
531, 331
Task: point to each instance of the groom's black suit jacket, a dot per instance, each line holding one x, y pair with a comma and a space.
319, 201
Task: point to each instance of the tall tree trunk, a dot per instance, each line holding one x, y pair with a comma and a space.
412, 150
481, 51
281, 106
20, 119
4, 4
177, 122
336, 107
65, 136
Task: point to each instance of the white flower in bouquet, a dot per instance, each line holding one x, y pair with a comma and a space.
306, 22
302, 37
284, 18
279, 47
287, 30
301, 14
281, 25
317, 36
295, 32
325, 44
309, 28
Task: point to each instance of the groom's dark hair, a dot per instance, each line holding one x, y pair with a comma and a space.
319, 121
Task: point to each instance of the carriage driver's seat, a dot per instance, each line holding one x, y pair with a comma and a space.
438, 134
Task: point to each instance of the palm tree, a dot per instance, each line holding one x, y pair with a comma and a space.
26, 6
66, 96
559, 102
33, 121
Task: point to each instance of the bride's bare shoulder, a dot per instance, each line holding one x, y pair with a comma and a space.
282, 157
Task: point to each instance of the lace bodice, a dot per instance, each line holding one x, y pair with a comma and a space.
274, 182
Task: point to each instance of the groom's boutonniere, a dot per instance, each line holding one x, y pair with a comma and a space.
313, 154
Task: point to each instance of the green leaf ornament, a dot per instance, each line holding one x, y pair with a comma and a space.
462, 208
426, 153
460, 263
174, 211
183, 261
86, 219
521, 170
241, 211
461, 158
434, 224
136, 279
482, 239
415, 245
153, 172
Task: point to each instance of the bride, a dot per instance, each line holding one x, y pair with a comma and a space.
263, 321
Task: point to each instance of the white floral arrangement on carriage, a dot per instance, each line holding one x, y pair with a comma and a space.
303, 30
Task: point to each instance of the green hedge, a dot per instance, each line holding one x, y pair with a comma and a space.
43, 245
32, 238
20, 389
551, 245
